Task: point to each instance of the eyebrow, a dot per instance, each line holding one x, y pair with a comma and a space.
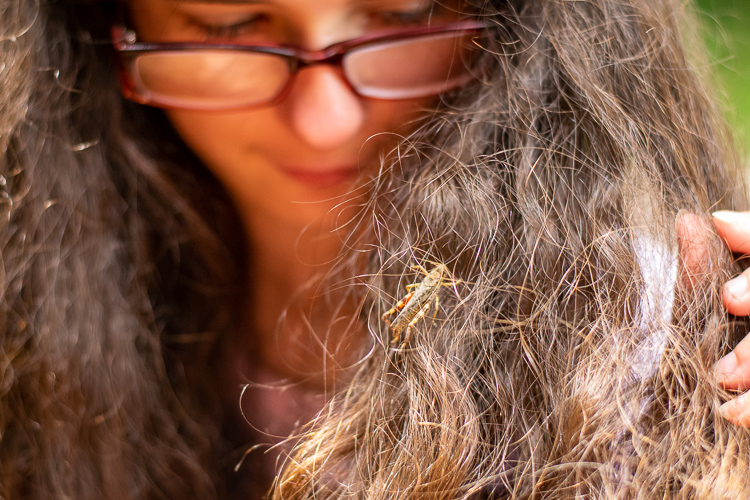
246, 2
233, 2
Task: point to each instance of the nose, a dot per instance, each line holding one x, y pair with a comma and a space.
323, 111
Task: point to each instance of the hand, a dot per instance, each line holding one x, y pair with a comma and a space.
733, 369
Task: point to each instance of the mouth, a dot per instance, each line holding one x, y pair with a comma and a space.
322, 179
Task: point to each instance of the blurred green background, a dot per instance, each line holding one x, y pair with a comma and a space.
727, 33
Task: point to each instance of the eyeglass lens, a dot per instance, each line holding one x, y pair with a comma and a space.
209, 78
409, 68
221, 78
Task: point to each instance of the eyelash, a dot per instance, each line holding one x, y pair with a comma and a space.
255, 23
235, 30
404, 18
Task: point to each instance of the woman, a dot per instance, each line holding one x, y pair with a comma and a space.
146, 337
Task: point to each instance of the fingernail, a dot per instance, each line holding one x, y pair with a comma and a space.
729, 216
727, 364
737, 287
734, 407
727, 410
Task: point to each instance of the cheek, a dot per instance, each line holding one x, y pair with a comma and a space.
210, 136
222, 137
398, 118
403, 113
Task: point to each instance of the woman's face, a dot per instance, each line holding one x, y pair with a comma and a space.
294, 160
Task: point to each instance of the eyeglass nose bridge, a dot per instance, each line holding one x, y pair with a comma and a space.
299, 59
302, 59
296, 58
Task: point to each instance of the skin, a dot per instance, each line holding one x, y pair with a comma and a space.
294, 171
291, 168
734, 369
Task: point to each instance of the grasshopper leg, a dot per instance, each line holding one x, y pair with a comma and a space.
397, 308
413, 322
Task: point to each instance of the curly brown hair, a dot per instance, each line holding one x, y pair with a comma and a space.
552, 368
566, 363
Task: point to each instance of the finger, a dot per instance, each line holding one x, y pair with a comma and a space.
693, 234
733, 370
734, 229
736, 294
737, 410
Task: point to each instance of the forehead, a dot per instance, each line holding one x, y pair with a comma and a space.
287, 21
304, 3
164, 9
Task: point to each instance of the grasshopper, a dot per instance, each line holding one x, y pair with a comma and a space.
417, 302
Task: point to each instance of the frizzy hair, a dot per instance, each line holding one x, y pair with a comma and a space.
585, 136
99, 246
557, 365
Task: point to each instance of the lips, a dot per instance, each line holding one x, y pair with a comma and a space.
321, 177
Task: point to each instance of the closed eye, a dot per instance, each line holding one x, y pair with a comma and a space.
405, 18
413, 14
247, 26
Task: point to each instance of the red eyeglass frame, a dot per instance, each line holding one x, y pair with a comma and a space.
127, 47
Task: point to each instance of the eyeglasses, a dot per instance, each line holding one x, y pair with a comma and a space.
219, 76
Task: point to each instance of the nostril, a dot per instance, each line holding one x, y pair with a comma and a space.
324, 111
